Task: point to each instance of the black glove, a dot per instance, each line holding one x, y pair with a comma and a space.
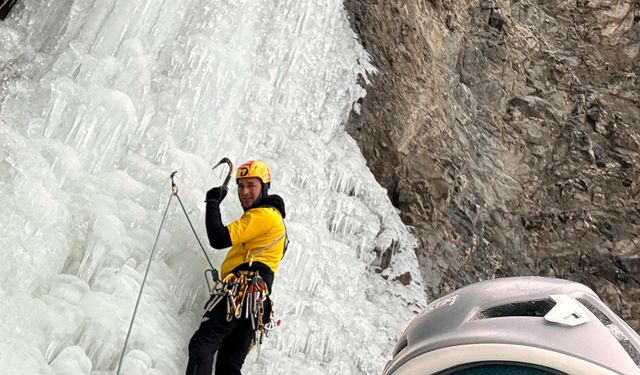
216, 194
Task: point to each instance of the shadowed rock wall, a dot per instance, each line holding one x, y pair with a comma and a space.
508, 134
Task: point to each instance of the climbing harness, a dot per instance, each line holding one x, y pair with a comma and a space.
211, 272
245, 294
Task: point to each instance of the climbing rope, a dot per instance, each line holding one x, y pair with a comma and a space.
144, 279
174, 188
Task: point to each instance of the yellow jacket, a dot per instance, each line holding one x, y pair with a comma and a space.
258, 236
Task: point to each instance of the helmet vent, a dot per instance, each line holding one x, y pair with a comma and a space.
622, 338
402, 343
536, 308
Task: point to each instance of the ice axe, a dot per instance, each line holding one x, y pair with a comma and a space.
225, 184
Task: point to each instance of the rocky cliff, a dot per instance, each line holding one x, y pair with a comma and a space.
508, 134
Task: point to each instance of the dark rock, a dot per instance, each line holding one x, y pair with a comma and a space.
510, 152
593, 114
496, 20
384, 257
404, 279
449, 22
532, 106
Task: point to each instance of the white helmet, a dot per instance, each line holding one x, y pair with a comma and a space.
517, 326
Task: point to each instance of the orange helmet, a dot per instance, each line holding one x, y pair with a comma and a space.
254, 168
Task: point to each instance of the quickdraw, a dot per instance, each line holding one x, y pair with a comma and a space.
244, 294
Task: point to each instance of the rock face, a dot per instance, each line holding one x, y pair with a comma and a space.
508, 134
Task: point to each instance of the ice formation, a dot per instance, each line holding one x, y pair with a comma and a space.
102, 99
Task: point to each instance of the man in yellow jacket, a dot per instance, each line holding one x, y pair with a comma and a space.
258, 242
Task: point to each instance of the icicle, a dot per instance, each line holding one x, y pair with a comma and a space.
51, 350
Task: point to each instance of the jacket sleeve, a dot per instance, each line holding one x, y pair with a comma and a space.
218, 234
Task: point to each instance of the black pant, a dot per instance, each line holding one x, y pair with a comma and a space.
231, 340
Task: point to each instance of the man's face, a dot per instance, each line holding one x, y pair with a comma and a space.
249, 190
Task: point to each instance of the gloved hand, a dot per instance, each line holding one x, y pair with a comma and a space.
216, 194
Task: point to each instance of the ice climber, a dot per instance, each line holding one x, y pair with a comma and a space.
239, 310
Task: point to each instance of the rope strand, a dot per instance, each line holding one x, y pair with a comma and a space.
144, 279
194, 231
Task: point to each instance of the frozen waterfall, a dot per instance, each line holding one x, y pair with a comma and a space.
100, 100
